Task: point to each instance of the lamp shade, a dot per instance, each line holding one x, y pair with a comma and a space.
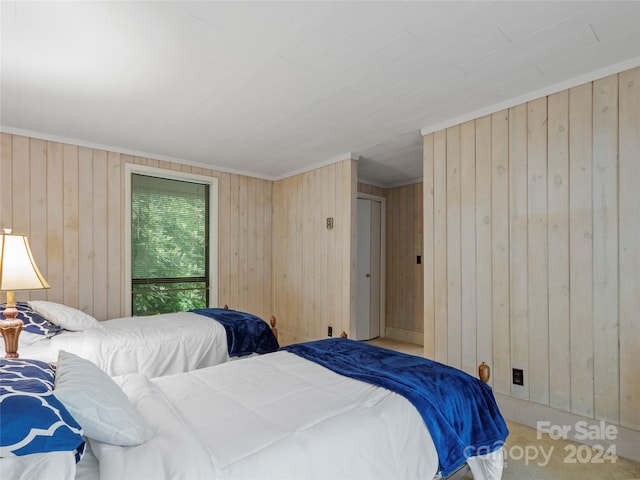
18, 270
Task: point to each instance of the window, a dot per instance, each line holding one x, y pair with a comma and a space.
170, 244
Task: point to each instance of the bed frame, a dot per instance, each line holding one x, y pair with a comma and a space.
10, 329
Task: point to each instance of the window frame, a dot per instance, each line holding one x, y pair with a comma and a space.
131, 169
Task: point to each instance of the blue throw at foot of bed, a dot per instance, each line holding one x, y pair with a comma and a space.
246, 333
459, 410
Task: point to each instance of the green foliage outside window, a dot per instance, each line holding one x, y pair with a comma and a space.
166, 298
169, 240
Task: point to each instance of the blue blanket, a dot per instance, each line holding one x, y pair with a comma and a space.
246, 333
459, 410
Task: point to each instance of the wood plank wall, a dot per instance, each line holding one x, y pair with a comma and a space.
314, 267
70, 201
404, 276
372, 190
532, 248
404, 317
71, 205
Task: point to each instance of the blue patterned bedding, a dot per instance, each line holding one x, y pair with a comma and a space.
459, 410
33, 321
32, 419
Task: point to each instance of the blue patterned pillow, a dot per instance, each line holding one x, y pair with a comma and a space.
32, 419
33, 321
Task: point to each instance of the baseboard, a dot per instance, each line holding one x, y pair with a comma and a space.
401, 335
626, 441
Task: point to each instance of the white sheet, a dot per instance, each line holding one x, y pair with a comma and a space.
153, 345
50, 466
87, 468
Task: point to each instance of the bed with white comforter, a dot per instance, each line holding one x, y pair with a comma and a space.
277, 416
270, 416
154, 345
274, 416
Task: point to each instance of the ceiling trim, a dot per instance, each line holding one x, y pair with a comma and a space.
166, 158
543, 92
390, 185
371, 183
579, 80
126, 151
339, 158
405, 182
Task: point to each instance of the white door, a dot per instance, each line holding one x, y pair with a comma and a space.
368, 270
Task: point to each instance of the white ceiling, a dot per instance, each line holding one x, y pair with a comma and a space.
273, 88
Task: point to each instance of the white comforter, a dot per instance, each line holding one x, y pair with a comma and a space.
153, 345
271, 416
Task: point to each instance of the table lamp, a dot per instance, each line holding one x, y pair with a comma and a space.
18, 271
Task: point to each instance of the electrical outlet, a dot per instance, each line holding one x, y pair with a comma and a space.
518, 376
330, 331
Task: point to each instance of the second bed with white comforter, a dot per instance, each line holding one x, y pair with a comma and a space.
154, 345
273, 416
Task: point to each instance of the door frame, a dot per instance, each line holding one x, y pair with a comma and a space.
383, 247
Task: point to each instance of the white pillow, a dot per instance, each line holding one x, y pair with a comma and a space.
96, 402
66, 317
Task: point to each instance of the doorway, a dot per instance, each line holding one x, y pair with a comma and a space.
370, 268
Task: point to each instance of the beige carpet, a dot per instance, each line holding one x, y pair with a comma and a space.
558, 464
